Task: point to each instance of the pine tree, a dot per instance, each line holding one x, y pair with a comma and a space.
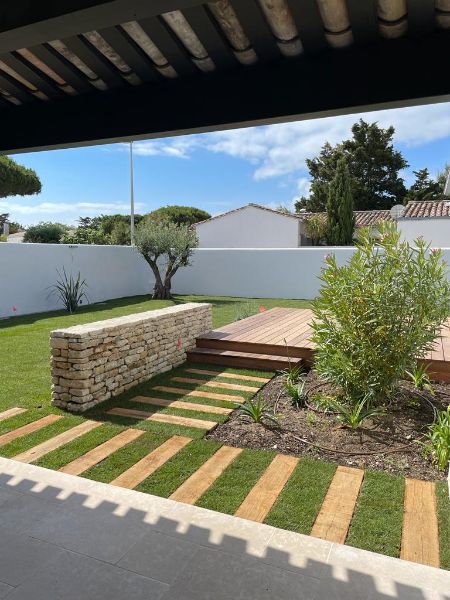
424, 188
16, 180
374, 166
340, 217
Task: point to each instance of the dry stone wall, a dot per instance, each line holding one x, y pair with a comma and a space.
93, 362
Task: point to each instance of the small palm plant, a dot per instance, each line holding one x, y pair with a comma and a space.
70, 290
438, 440
420, 378
353, 415
259, 411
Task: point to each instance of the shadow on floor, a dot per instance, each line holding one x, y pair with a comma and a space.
83, 540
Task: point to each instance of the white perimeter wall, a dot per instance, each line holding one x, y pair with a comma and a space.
435, 231
27, 271
256, 272
249, 227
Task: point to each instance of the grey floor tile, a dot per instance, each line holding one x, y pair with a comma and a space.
159, 556
215, 575
95, 532
20, 511
75, 577
5, 589
21, 556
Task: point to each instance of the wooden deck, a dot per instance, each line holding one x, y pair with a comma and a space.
270, 339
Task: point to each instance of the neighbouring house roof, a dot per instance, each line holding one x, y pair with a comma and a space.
251, 205
427, 209
363, 218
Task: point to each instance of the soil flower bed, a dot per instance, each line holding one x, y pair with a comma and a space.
391, 442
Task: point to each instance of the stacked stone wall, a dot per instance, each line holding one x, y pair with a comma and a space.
93, 362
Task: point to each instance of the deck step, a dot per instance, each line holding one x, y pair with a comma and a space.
245, 360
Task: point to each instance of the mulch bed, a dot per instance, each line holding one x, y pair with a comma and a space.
389, 443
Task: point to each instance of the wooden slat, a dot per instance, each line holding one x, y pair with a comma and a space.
11, 412
197, 484
26, 429
229, 375
420, 539
56, 442
217, 384
93, 457
336, 512
148, 465
159, 418
262, 497
214, 410
199, 394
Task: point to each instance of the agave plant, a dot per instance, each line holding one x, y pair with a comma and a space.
352, 416
258, 411
437, 446
70, 290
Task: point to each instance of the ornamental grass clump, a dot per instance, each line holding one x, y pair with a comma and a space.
378, 313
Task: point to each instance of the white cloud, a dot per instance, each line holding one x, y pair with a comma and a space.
277, 150
51, 208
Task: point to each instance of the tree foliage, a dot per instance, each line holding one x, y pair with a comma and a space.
17, 180
102, 230
180, 215
315, 228
374, 166
424, 188
166, 247
340, 218
45, 233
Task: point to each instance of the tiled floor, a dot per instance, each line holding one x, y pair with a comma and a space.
70, 538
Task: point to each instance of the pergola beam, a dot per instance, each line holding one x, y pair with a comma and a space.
24, 23
376, 76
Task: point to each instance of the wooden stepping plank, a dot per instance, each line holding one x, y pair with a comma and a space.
148, 465
420, 540
11, 412
26, 429
229, 375
226, 386
93, 457
57, 441
336, 512
171, 419
216, 410
263, 495
197, 484
198, 394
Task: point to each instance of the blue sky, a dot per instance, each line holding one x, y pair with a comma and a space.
215, 171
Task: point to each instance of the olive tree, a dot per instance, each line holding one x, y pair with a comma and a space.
166, 247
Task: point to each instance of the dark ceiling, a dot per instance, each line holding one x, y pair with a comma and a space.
85, 71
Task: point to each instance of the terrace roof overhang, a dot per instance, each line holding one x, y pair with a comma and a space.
89, 71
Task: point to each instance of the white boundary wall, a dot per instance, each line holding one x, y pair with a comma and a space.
256, 272
27, 271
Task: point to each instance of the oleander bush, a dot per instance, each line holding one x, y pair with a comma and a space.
378, 313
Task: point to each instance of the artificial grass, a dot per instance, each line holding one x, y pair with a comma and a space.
378, 516
229, 491
299, 503
443, 512
176, 470
124, 458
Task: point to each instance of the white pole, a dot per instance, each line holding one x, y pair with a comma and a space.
131, 195
447, 185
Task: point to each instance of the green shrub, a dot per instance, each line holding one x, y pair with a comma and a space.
45, 233
3, 238
70, 290
375, 315
437, 446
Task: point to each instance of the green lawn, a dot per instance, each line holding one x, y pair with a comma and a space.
25, 381
24, 341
